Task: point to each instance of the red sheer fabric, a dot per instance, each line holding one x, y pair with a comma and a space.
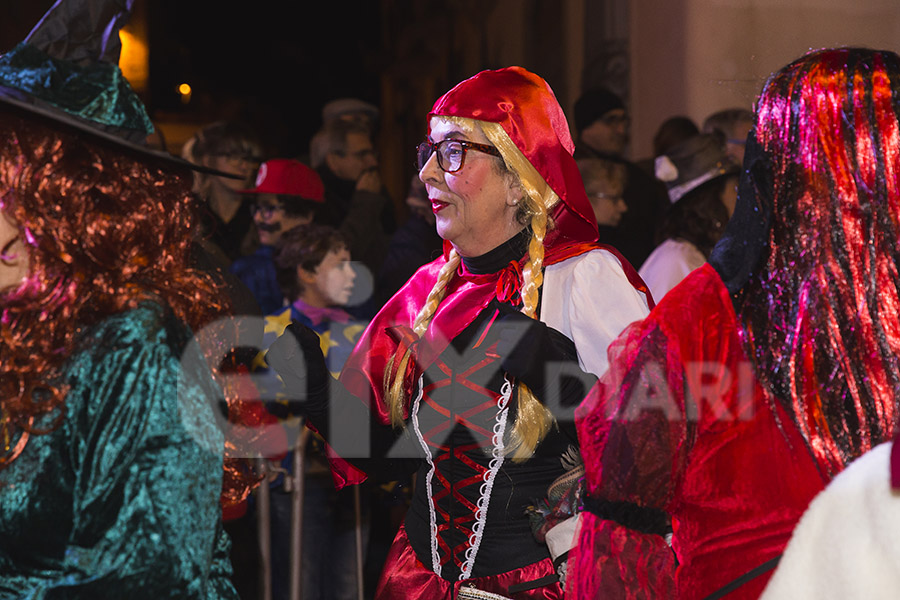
404, 577
680, 424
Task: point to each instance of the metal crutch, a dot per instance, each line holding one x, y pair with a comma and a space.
357, 509
296, 489
263, 533
293, 483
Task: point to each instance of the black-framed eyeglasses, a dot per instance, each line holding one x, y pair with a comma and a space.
360, 154
451, 154
616, 120
266, 211
238, 157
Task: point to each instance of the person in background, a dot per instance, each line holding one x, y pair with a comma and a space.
765, 372
227, 223
672, 132
733, 124
111, 458
702, 184
459, 368
287, 194
603, 127
356, 205
604, 182
313, 268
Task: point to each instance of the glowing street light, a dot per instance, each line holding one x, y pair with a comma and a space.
184, 90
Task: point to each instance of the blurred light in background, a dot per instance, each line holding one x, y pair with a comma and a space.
184, 90
135, 59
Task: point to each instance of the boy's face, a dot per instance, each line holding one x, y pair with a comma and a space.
334, 277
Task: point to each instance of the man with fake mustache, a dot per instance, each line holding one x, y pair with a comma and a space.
287, 194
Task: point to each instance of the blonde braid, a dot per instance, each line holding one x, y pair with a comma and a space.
420, 325
394, 392
533, 421
533, 273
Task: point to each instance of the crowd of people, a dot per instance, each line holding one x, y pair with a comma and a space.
564, 374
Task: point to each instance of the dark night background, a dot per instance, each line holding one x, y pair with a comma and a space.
274, 64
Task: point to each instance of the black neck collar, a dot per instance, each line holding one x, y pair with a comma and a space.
512, 249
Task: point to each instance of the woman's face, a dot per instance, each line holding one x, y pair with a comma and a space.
13, 258
475, 207
606, 200
334, 277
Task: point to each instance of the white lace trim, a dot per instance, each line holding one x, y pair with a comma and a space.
435, 559
484, 499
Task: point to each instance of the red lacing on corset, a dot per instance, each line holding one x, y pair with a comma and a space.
436, 439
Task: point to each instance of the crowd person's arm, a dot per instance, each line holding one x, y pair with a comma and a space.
362, 223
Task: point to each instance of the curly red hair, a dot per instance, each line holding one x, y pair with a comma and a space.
103, 230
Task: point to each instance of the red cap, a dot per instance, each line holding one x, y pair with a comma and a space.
525, 106
290, 177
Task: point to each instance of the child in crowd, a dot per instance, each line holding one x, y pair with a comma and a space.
312, 264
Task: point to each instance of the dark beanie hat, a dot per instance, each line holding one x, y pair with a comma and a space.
592, 105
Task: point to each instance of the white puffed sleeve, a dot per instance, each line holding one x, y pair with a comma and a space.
590, 300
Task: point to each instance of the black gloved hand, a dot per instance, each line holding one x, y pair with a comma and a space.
297, 357
541, 357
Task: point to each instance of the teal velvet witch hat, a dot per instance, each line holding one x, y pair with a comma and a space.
67, 70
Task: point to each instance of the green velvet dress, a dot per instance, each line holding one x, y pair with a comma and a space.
121, 500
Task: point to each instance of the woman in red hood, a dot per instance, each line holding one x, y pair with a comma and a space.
472, 369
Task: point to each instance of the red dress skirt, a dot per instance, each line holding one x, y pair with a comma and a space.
405, 577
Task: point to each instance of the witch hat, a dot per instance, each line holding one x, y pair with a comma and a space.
67, 70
